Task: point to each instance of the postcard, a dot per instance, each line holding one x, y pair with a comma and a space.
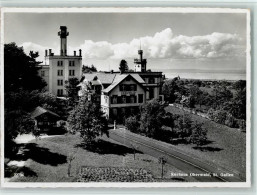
125, 97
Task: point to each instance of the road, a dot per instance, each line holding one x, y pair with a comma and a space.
174, 157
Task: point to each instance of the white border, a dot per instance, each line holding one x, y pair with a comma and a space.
133, 185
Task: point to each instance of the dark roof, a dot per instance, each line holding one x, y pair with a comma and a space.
104, 78
39, 111
119, 78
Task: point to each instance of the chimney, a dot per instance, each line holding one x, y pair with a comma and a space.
74, 53
50, 52
46, 52
80, 53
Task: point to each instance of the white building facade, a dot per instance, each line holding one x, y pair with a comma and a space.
61, 67
123, 97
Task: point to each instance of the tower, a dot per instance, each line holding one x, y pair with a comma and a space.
62, 67
140, 64
63, 37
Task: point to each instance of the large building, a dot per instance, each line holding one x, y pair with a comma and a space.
60, 68
121, 95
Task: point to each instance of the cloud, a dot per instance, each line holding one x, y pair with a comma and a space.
162, 45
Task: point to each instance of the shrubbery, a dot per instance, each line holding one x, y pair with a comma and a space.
132, 124
156, 123
223, 117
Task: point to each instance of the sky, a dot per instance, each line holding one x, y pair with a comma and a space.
208, 42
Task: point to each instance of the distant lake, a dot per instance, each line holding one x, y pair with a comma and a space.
203, 74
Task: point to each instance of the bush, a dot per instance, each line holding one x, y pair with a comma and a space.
132, 124
231, 121
199, 134
223, 117
220, 116
241, 124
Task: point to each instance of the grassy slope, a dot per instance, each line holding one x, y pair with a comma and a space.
65, 145
227, 149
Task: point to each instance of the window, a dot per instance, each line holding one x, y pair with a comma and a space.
114, 111
122, 87
71, 63
60, 73
140, 98
132, 99
133, 87
60, 82
59, 63
151, 80
124, 99
151, 93
114, 99
123, 111
71, 72
42, 73
59, 92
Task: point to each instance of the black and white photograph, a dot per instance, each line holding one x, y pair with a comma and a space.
125, 97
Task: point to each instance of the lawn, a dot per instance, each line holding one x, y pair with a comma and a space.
46, 160
226, 147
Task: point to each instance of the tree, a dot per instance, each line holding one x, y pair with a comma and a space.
169, 120
199, 134
196, 96
184, 125
18, 106
173, 90
21, 70
87, 119
123, 66
151, 119
239, 85
221, 95
17, 122
132, 124
72, 90
86, 69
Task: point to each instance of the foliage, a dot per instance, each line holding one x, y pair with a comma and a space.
20, 70
72, 90
237, 105
169, 120
114, 174
221, 95
87, 69
87, 119
18, 106
199, 134
132, 124
152, 114
123, 66
230, 121
239, 85
223, 117
184, 126
17, 122
173, 90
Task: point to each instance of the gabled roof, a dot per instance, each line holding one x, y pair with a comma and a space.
103, 77
119, 78
39, 111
